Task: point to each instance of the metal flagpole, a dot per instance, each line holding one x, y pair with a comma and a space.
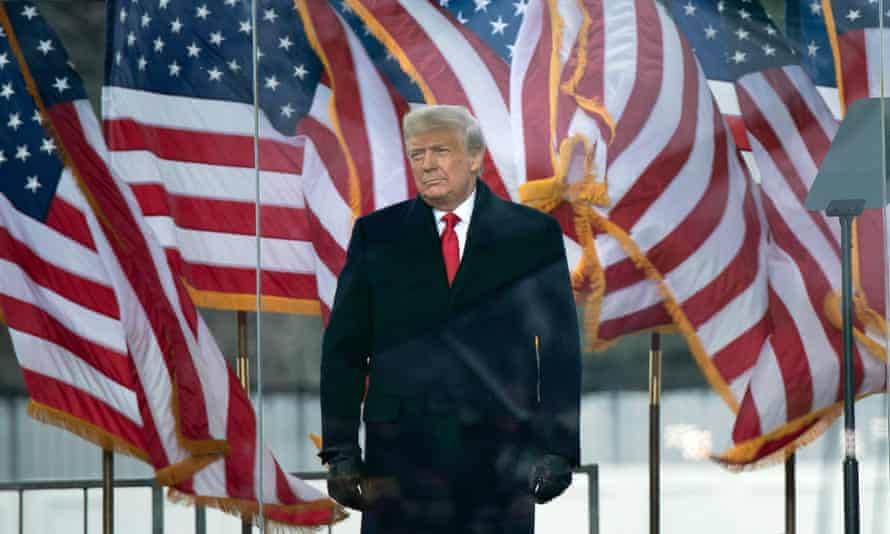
259, 266
107, 492
242, 367
790, 496
851, 466
655, 433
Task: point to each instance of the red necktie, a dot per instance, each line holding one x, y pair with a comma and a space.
450, 248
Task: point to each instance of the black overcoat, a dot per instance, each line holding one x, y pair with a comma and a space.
460, 399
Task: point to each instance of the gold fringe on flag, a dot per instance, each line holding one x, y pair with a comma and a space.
249, 510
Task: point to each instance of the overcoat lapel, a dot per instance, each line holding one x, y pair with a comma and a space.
424, 255
475, 273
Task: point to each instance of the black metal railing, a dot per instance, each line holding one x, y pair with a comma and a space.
157, 497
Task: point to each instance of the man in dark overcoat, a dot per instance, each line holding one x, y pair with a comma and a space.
457, 307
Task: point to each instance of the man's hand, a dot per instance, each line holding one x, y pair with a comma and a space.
549, 477
345, 481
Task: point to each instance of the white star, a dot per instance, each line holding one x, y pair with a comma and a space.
46, 46
443, 3
285, 43
163, 4
497, 26
36, 117
145, 20
7, 91
61, 84
300, 71
853, 14
118, 57
721, 6
244, 27
174, 68
742, 33
217, 38
215, 74
460, 17
769, 50
131, 39
14, 121
259, 54
2, 158
816, 7
812, 49
123, 15
193, 49
202, 12
231, 3
176, 25
33, 184
29, 12
481, 5
4, 59
234, 66
345, 7
710, 32
142, 62
744, 14
272, 83
510, 49
22, 153
521, 7
739, 57
689, 9
270, 15
287, 110
48, 145
770, 30
159, 44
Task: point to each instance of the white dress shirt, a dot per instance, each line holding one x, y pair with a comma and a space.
464, 211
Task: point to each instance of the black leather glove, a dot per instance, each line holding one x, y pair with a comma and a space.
549, 477
345, 480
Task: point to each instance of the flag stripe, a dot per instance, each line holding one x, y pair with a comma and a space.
209, 148
202, 213
48, 359
33, 320
210, 181
92, 295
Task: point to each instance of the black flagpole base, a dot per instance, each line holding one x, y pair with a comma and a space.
851, 495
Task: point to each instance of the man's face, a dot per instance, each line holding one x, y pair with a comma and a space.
444, 172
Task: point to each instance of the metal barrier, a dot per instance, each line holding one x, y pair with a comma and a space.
157, 497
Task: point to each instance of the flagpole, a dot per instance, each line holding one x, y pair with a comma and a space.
846, 215
107, 492
259, 264
655, 433
790, 496
243, 369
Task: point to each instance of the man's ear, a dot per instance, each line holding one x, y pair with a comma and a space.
476, 162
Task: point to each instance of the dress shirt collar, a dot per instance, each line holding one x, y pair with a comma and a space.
464, 210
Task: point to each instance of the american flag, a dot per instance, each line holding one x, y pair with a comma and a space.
455, 55
191, 405
807, 34
354, 142
854, 32
795, 385
677, 237
85, 349
179, 122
